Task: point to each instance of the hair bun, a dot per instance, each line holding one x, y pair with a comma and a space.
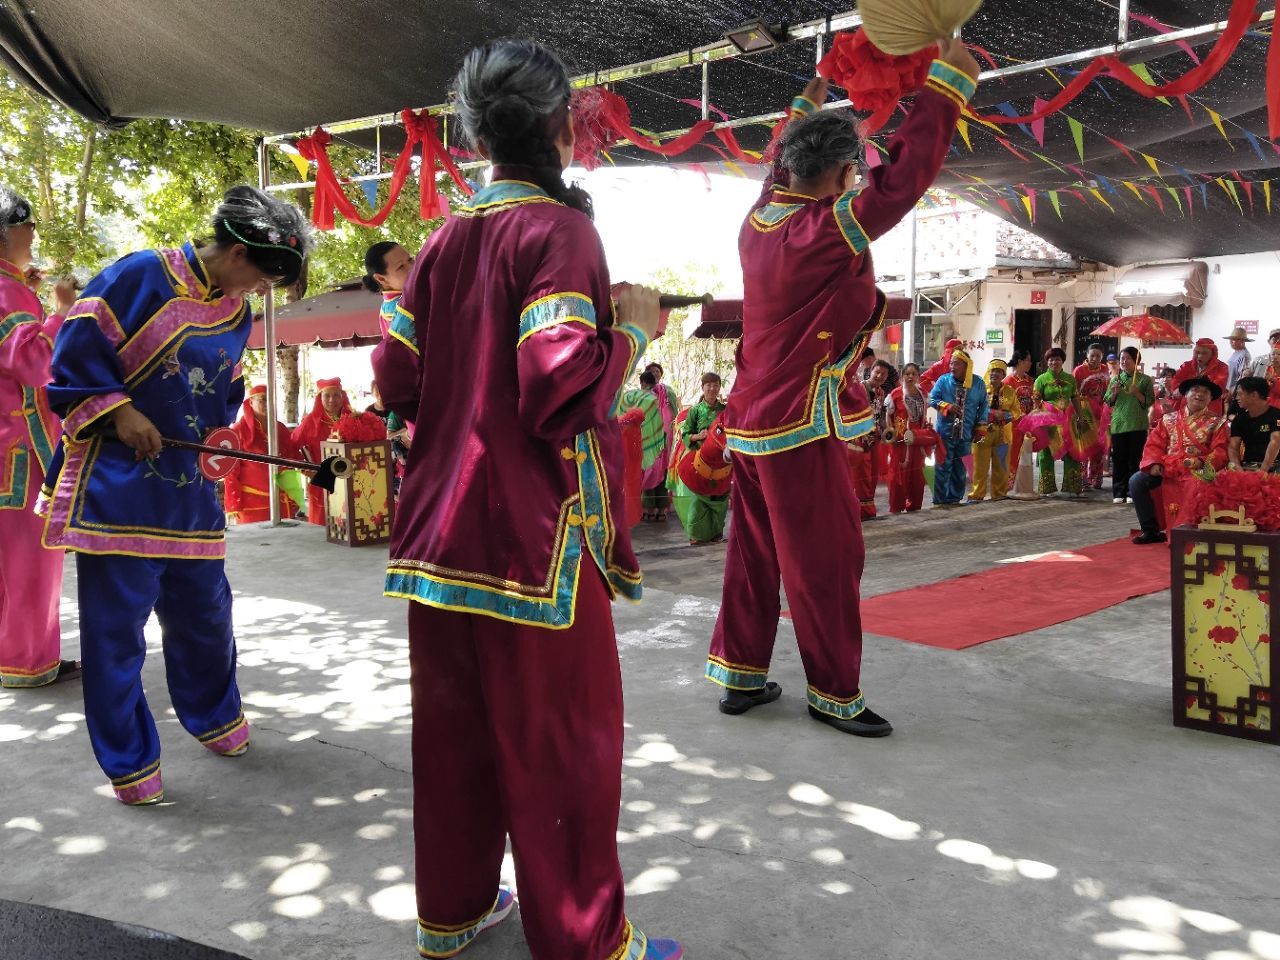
509, 116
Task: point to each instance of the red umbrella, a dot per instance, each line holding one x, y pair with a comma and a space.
1144, 327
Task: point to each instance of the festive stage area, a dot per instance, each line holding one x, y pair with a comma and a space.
1035, 798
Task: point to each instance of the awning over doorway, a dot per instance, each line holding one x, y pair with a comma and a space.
344, 317
1185, 283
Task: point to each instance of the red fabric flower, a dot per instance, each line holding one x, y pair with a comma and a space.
1223, 634
360, 427
875, 80
1258, 493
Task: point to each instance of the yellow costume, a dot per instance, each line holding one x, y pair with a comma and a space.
991, 442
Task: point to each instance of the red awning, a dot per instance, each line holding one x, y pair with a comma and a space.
345, 317
722, 319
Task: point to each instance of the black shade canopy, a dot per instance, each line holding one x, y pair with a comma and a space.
281, 65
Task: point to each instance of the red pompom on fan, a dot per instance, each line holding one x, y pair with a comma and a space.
875, 81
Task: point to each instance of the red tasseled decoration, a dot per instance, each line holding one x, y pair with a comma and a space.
360, 428
1258, 493
874, 80
592, 126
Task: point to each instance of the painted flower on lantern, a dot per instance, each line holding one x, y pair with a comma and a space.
1264, 638
1239, 582
1192, 700
1210, 604
1219, 568
1222, 634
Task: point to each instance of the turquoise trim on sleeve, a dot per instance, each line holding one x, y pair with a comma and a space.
953, 79
849, 226
13, 321
638, 344
803, 106
43, 443
403, 328
554, 310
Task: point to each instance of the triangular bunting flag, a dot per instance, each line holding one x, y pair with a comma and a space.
1230, 187
963, 126
1123, 149
1151, 162
1136, 192
370, 188
1037, 126
1217, 122
1004, 204
1248, 192
1099, 195
1009, 110
1012, 149
1077, 134
1204, 195
304, 168
1155, 195
1190, 203
1186, 105
1173, 192
1057, 207
1257, 147
1041, 157
1141, 70
1266, 193
1026, 202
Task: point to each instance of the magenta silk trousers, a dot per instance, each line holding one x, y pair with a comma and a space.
795, 522
30, 592
517, 731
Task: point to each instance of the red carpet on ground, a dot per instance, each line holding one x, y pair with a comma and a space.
1018, 597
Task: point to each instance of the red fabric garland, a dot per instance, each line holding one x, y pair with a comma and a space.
606, 119
329, 196
1273, 81
1237, 26
875, 81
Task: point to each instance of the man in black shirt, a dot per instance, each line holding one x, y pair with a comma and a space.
1255, 432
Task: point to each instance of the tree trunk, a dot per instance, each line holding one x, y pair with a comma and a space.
287, 357
86, 172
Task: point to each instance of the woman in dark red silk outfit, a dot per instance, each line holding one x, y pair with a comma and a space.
511, 538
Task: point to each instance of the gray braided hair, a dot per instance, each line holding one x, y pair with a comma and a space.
14, 209
514, 95
276, 235
819, 142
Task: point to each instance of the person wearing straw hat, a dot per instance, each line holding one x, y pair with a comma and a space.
1238, 364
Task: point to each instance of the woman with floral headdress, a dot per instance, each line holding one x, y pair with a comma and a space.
152, 350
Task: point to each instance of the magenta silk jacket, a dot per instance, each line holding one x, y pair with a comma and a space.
504, 354
28, 428
810, 302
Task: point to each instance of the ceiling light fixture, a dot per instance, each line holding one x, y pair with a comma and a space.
755, 37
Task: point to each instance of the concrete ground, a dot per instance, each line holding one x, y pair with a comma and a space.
1034, 801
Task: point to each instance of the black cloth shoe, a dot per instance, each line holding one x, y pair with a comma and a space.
735, 702
866, 724
1154, 537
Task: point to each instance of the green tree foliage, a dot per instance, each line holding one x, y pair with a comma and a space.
685, 361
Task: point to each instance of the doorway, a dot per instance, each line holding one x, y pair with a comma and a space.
1033, 330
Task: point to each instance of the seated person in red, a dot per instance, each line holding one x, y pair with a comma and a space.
1179, 447
315, 428
247, 499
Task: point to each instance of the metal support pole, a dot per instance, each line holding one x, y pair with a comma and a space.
1122, 32
819, 52
377, 147
909, 334
269, 343
706, 89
